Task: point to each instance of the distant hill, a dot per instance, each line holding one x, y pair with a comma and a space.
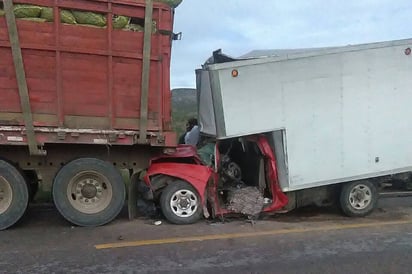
184, 106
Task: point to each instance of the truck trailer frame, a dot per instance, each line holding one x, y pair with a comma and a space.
78, 104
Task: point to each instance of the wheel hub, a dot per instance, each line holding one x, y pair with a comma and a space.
89, 191
6, 195
184, 203
360, 197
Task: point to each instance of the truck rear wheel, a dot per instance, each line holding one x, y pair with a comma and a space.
180, 203
14, 195
89, 192
358, 199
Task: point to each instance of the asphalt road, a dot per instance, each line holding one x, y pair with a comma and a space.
307, 241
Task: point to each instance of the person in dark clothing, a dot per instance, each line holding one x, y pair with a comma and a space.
193, 132
182, 139
191, 136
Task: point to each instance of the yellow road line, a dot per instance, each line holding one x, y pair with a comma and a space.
246, 234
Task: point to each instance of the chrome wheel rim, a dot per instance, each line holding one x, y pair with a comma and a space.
6, 195
360, 197
184, 203
89, 192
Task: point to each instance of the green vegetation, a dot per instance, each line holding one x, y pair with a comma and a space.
90, 18
27, 11
66, 16
184, 106
84, 18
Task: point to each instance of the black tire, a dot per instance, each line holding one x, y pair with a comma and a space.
358, 198
15, 204
89, 192
194, 210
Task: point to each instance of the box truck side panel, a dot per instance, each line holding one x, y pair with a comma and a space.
345, 114
205, 107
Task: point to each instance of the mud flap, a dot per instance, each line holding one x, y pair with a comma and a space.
141, 201
132, 196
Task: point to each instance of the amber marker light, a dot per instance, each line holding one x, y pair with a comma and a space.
235, 73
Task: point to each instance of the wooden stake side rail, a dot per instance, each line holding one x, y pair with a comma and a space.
147, 44
21, 79
81, 77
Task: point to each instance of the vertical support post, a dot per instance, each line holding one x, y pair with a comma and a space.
147, 44
21, 78
59, 86
112, 104
132, 196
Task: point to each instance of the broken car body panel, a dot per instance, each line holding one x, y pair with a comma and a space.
280, 199
197, 174
182, 151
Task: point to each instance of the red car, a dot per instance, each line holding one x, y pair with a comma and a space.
227, 176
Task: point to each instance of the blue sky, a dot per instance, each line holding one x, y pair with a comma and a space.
239, 26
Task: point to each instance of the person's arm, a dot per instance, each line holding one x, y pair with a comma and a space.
192, 137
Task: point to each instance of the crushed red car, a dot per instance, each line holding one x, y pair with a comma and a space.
227, 176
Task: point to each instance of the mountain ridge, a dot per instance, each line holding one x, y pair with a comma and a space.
184, 107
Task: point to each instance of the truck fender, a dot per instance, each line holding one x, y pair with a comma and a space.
196, 175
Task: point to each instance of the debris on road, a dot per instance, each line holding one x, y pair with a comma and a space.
157, 223
248, 201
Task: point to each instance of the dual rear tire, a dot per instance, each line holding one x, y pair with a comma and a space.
89, 192
86, 192
14, 195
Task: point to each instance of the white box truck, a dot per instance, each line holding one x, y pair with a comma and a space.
294, 128
335, 114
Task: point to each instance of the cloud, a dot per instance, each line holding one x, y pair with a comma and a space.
239, 26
